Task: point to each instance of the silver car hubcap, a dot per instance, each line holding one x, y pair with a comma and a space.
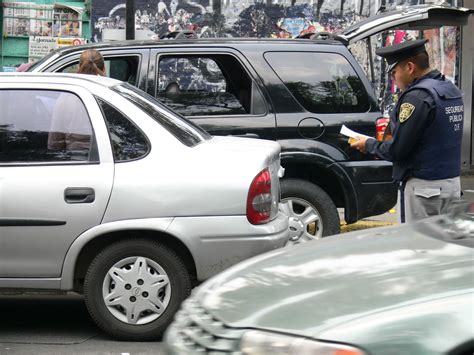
136, 290
305, 220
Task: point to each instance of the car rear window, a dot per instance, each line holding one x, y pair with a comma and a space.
321, 82
185, 131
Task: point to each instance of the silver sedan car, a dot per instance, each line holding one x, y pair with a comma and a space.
105, 192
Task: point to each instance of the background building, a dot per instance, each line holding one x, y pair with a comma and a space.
31, 29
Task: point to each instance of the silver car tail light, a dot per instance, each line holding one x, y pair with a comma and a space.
259, 200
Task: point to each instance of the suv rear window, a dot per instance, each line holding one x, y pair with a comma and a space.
321, 82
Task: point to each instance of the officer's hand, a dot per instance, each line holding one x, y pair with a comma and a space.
359, 144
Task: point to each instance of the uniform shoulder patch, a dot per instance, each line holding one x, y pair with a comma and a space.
406, 110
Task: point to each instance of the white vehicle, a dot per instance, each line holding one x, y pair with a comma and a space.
105, 192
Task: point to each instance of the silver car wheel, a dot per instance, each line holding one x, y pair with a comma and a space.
136, 290
305, 220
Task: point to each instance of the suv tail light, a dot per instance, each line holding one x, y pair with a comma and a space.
259, 200
381, 125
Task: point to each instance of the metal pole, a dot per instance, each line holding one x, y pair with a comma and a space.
130, 20
466, 85
1, 35
216, 6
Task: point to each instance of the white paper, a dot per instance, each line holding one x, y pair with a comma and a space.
350, 133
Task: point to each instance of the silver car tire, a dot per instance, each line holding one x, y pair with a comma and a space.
134, 287
311, 211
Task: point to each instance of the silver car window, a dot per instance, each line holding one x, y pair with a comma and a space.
44, 126
128, 141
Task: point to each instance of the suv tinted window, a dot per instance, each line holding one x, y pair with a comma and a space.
321, 82
128, 142
120, 68
205, 85
44, 126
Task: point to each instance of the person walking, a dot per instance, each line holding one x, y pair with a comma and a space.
426, 127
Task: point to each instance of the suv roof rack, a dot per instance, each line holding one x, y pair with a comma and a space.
184, 34
324, 36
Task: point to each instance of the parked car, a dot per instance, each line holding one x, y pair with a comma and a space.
297, 92
106, 192
396, 290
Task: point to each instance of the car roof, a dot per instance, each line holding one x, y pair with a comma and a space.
195, 42
58, 78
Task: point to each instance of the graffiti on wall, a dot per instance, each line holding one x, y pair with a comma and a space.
231, 18
159, 17
239, 18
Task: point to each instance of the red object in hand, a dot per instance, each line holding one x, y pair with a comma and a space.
381, 125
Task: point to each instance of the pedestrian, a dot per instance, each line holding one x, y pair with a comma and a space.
426, 127
91, 62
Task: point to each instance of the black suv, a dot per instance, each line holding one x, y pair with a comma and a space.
297, 92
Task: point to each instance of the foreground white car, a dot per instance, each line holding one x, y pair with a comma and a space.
104, 191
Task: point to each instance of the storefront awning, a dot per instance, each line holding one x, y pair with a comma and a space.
75, 6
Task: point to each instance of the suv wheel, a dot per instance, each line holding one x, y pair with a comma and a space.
312, 213
133, 289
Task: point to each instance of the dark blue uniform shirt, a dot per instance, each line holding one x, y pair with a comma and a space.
405, 144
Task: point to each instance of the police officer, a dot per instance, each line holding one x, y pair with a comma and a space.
426, 127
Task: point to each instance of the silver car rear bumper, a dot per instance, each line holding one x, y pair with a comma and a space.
217, 242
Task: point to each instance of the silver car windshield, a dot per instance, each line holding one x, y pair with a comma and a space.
185, 131
458, 225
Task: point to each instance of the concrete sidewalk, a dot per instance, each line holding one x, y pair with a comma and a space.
391, 217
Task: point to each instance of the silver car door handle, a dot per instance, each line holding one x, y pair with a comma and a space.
79, 195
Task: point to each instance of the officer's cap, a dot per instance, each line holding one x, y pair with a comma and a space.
399, 52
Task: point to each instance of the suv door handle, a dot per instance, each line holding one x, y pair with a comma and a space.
79, 195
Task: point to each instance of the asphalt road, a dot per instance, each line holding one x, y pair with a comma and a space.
35, 324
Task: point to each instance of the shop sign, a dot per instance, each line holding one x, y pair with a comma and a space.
40, 46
